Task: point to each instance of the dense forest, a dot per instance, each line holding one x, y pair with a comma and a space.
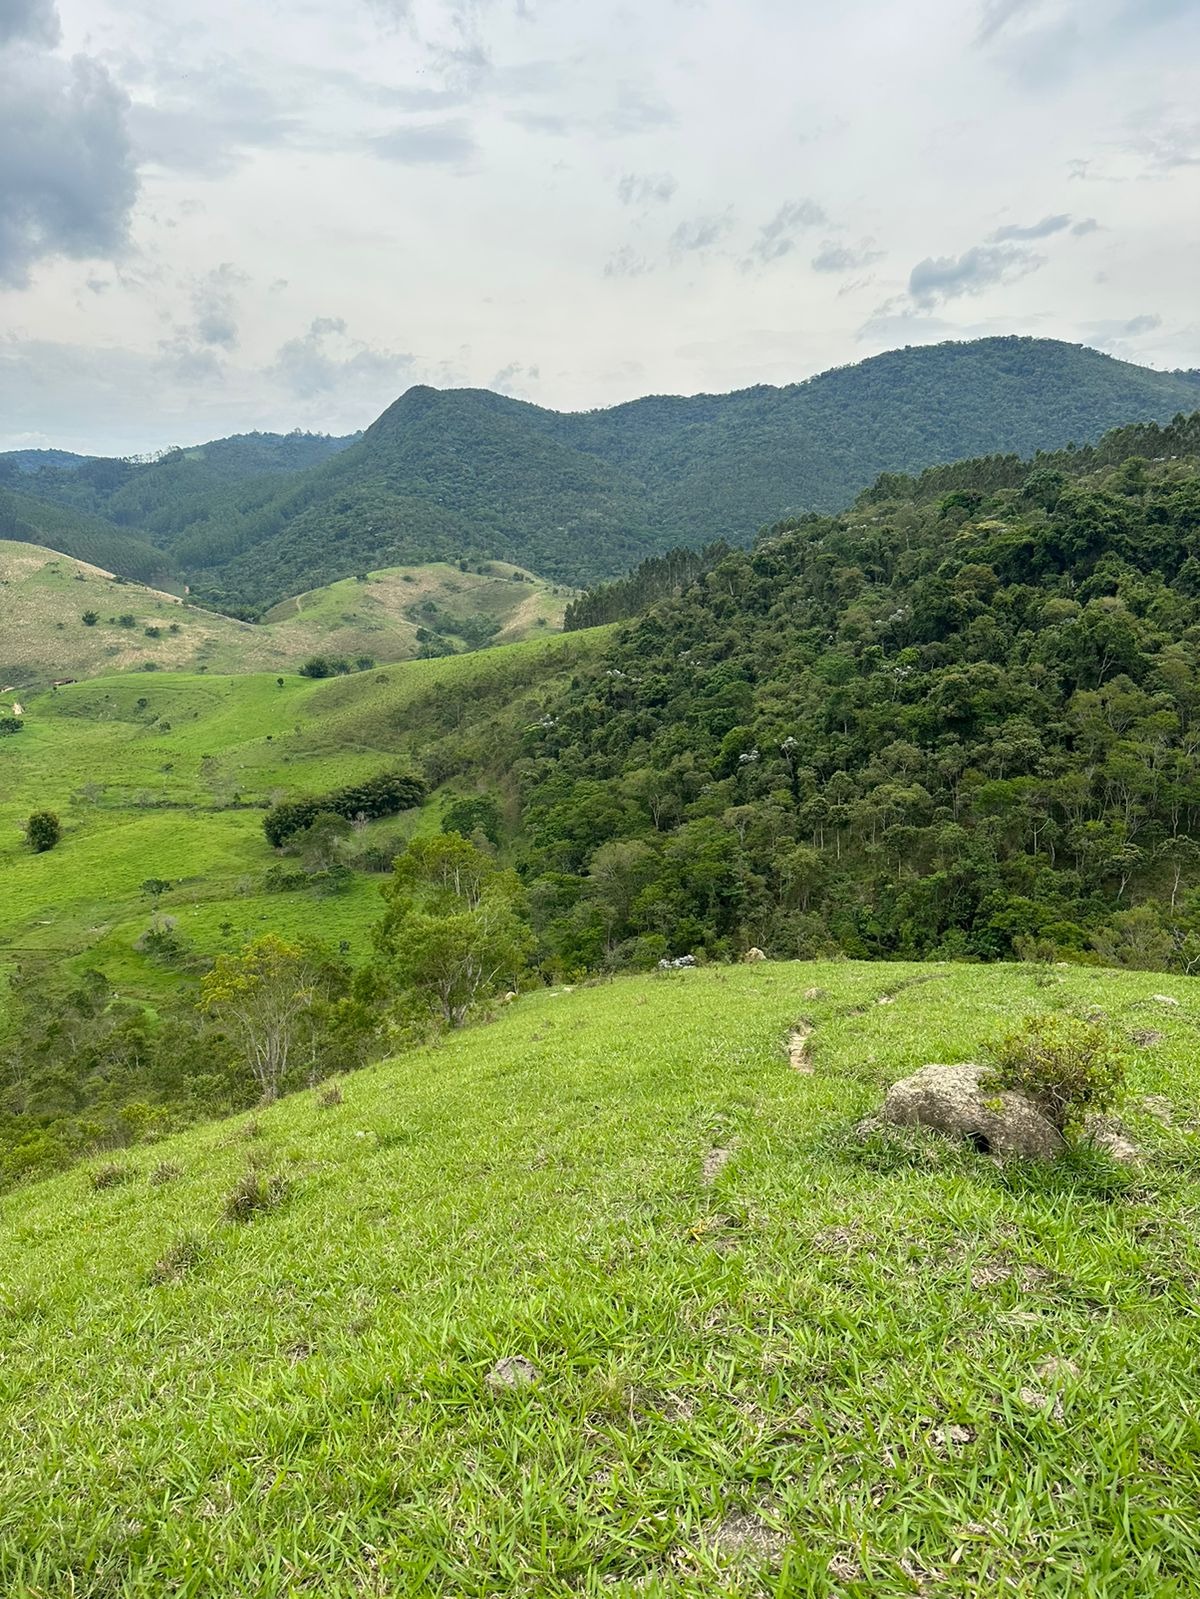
583, 497
961, 720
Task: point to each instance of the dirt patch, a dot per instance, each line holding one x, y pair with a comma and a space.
1145, 1037
798, 1051
748, 1539
715, 1162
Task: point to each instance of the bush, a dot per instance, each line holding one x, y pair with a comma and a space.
378, 796
1065, 1065
43, 830
10, 724
89, 618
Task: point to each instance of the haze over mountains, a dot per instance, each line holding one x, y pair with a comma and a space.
577, 496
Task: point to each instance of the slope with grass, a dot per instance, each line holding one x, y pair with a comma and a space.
166, 777
388, 615
766, 1359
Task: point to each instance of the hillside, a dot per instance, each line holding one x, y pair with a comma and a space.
166, 776
389, 615
26, 519
767, 1360
958, 720
586, 495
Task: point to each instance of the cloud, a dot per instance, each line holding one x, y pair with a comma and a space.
780, 235
649, 188
635, 111
627, 263
1085, 225
30, 21
1141, 324
213, 300
948, 277
509, 379
1034, 230
326, 360
834, 257
205, 122
697, 235
995, 15
446, 143
67, 175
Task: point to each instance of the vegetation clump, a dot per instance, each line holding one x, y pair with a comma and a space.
1068, 1066
43, 831
254, 1193
384, 795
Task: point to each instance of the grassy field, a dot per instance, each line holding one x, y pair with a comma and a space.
165, 776
44, 595
769, 1360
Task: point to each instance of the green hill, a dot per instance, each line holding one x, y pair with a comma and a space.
387, 615
958, 720
585, 496
766, 1359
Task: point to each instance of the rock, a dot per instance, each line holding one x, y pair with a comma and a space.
754, 954
512, 1371
953, 1100
1108, 1134
814, 993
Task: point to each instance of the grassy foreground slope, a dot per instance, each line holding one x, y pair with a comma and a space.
165, 776
387, 615
771, 1361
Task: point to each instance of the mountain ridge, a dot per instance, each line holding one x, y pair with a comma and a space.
582, 496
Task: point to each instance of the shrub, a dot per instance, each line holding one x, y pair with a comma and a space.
165, 1172
254, 1193
10, 724
377, 796
43, 830
89, 618
1067, 1066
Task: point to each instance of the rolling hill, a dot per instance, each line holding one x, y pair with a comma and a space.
389, 615
605, 1299
585, 496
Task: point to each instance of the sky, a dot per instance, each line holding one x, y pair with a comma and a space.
216, 216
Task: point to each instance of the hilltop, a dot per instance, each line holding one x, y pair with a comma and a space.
765, 1359
388, 615
584, 496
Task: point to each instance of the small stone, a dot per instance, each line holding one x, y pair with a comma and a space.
512, 1371
1107, 1133
814, 993
1056, 1368
754, 954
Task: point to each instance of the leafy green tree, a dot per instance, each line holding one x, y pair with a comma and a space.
266, 998
43, 830
454, 931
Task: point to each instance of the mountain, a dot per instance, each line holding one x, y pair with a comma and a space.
958, 720
29, 519
584, 496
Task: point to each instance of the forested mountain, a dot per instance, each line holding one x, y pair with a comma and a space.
30, 520
962, 719
586, 496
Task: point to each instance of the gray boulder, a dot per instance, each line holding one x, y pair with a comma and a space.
953, 1100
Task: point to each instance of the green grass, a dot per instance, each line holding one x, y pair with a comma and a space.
815, 1373
43, 596
174, 788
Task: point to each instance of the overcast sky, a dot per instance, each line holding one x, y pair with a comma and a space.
216, 216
